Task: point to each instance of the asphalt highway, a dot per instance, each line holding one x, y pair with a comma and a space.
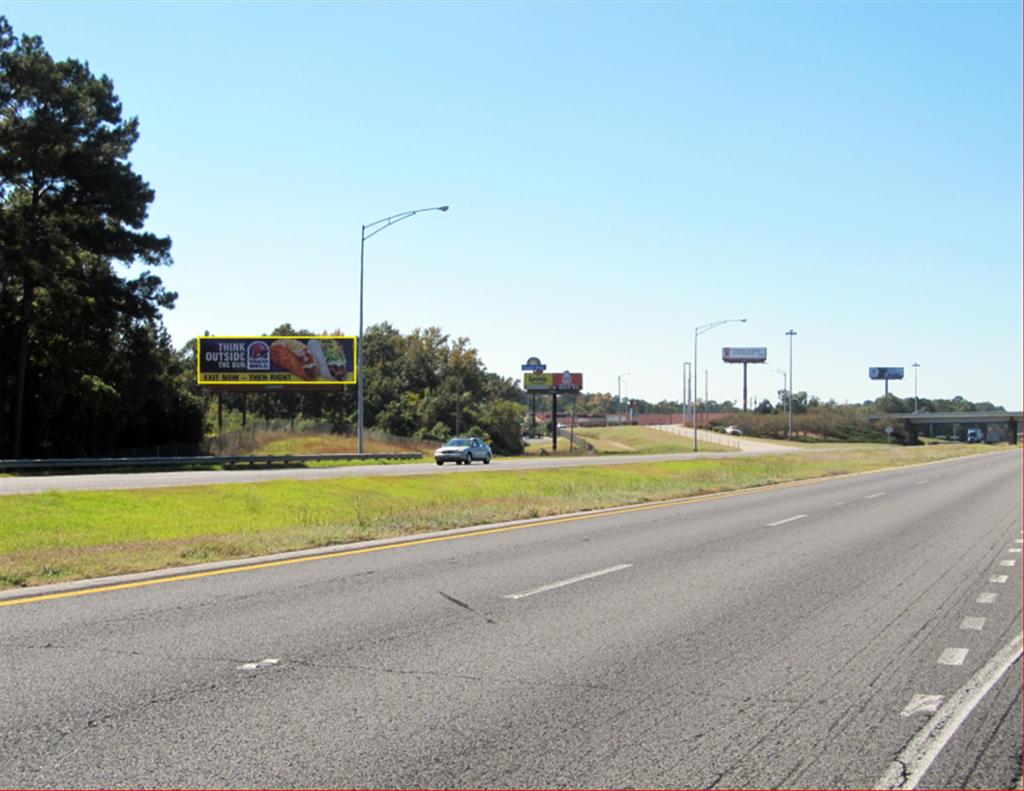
857, 632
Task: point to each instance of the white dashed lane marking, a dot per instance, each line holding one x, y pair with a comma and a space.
258, 665
1008, 563
972, 622
873, 496
1014, 549
783, 521
570, 581
999, 579
953, 656
986, 598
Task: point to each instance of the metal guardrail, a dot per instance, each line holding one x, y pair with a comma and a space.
192, 461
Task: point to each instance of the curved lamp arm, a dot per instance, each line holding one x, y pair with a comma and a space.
396, 218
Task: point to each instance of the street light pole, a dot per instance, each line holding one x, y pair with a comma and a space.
697, 332
789, 394
915, 367
377, 227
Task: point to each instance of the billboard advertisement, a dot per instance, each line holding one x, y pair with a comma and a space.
744, 354
565, 382
885, 372
309, 360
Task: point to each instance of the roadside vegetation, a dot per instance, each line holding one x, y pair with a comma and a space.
624, 439
279, 440
72, 535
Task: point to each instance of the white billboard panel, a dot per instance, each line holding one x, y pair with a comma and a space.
744, 354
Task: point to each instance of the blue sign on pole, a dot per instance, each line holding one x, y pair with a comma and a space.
882, 372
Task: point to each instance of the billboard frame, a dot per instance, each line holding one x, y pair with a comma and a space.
276, 386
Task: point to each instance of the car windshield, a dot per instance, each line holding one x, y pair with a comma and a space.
456, 443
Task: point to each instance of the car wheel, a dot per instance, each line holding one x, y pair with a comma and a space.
469, 459
439, 463
487, 459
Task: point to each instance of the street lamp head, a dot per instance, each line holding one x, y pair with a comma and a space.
442, 208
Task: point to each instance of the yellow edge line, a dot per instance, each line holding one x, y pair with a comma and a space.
483, 532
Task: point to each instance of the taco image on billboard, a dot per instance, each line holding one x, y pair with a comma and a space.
334, 357
294, 357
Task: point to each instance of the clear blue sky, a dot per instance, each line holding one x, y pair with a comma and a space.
618, 174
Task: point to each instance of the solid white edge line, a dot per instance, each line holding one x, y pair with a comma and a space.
569, 581
783, 521
914, 760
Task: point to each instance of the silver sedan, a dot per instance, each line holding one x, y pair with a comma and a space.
463, 450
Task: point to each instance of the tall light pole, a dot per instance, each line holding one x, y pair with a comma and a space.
377, 227
618, 396
697, 332
789, 394
915, 367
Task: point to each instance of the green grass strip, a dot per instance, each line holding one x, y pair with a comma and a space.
73, 535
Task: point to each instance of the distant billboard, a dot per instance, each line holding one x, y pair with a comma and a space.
744, 354
885, 372
272, 361
565, 382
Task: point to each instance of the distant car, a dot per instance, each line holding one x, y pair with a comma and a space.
733, 430
975, 435
463, 450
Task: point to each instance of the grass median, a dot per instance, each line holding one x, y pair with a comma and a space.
59, 536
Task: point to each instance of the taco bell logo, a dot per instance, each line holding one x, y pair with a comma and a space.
258, 358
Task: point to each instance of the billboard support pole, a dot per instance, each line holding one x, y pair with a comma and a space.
744, 387
220, 413
554, 421
572, 426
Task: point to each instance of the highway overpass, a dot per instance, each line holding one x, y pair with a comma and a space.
912, 422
